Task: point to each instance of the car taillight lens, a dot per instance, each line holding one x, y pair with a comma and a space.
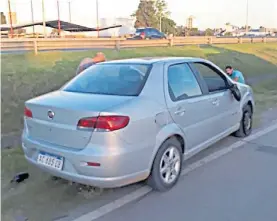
142, 35
28, 112
87, 122
106, 123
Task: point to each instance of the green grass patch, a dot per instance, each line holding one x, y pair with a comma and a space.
266, 51
265, 98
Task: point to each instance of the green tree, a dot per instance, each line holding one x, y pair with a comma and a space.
180, 31
162, 11
228, 34
209, 32
146, 14
3, 18
168, 26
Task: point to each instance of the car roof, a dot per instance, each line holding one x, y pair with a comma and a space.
146, 28
152, 60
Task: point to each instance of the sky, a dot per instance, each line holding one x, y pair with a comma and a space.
208, 13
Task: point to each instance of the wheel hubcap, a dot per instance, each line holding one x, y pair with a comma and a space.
247, 121
170, 165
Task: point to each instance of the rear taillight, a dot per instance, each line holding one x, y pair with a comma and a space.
28, 113
142, 35
106, 123
87, 122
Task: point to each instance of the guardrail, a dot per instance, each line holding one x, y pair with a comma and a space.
48, 44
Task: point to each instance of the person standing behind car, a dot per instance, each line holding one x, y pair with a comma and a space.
235, 74
87, 62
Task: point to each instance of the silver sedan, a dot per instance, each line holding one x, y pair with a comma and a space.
125, 121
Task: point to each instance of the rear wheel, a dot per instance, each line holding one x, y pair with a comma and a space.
167, 166
245, 128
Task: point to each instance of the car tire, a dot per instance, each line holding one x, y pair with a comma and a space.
245, 128
167, 166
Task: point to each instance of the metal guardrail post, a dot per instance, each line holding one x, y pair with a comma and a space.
117, 45
264, 39
35, 47
171, 42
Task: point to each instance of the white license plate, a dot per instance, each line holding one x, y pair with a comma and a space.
50, 160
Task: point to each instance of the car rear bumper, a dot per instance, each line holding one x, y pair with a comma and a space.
115, 170
103, 182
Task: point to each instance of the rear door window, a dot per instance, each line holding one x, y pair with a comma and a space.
182, 83
111, 79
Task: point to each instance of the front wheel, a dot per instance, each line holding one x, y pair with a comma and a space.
167, 166
245, 128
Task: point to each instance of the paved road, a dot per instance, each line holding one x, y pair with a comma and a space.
240, 186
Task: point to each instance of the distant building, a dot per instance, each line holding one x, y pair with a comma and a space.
231, 28
237, 32
190, 22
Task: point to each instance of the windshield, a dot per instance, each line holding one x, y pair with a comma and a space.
110, 79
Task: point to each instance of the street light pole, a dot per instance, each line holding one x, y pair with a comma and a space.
97, 18
69, 10
10, 15
247, 8
43, 19
59, 21
160, 23
32, 12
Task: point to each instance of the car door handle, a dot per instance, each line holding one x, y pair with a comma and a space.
215, 102
180, 111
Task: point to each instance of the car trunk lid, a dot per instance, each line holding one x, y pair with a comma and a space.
56, 116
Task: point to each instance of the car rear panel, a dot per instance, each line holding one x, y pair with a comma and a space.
68, 109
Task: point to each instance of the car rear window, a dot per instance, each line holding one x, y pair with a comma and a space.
111, 79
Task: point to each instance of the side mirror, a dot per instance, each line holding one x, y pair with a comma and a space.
235, 91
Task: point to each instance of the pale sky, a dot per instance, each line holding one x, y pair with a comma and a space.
208, 13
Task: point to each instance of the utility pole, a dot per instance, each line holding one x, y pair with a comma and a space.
10, 15
97, 18
69, 10
247, 6
43, 18
32, 12
59, 21
160, 22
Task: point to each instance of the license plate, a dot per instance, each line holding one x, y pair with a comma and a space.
50, 160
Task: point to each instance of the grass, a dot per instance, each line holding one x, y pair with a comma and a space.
265, 98
25, 75
267, 52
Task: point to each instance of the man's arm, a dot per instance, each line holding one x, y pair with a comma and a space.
236, 77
